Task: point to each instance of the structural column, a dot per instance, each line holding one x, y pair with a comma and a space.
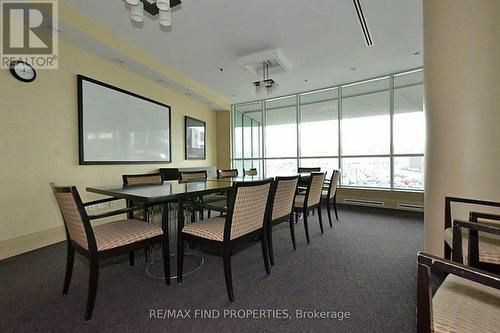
462, 106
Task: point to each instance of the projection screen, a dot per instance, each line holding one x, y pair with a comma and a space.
119, 127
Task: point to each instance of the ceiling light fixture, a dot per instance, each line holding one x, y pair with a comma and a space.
137, 12
153, 7
266, 81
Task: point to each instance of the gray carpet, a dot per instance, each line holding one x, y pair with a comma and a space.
365, 265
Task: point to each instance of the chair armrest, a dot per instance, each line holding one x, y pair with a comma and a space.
115, 212
95, 202
473, 245
427, 263
467, 272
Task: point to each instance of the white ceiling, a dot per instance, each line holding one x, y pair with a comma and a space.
322, 39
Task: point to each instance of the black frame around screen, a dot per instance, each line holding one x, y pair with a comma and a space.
82, 161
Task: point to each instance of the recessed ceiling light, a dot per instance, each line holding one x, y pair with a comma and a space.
306, 80
353, 68
221, 69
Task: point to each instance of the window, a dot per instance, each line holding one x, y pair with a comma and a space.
409, 122
319, 134
366, 118
281, 122
282, 135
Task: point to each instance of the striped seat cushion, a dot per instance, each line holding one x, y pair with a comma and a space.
489, 245
209, 229
461, 305
119, 233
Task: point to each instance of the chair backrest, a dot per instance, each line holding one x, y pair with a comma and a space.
460, 208
308, 170
247, 209
283, 196
250, 172
186, 176
334, 181
143, 179
227, 173
314, 188
76, 221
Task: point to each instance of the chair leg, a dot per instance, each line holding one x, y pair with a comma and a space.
209, 213
131, 258
180, 258
165, 247
329, 211
306, 227
270, 244
93, 276
292, 231
263, 241
70, 259
146, 254
227, 273
320, 219
335, 208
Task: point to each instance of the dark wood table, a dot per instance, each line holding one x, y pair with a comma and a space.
170, 196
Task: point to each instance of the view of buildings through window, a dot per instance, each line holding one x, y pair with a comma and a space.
373, 130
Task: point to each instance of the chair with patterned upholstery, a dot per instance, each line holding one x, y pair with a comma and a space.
231, 173
244, 221
188, 176
281, 210
305, 203
329, 195
105, 240
484, 248
468, 300
250, 172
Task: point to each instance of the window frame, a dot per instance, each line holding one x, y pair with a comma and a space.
392, 155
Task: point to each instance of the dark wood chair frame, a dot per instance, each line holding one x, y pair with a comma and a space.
329, 201
228, 170
93, 255
306, 169
226, 246
448, 213
287, 218
473, 240
306, 209
427, 264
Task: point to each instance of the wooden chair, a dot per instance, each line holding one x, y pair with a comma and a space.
281, 210
329, 195
244, 221
467, 300
186, 176
227, 173
479, 251
216, 201
305, 203
309, 169
488, 255
105, 240
250, 172
149, 213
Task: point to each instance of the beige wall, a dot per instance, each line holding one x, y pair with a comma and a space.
462, 105
39, 127
224, 140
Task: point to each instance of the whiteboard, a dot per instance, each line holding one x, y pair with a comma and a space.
120, 127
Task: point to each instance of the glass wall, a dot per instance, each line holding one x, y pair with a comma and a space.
373, 130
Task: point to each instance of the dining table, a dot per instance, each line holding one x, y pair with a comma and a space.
171, 197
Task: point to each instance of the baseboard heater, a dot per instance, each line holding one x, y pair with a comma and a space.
364, 202
411, 206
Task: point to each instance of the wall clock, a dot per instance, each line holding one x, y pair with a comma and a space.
22, 71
